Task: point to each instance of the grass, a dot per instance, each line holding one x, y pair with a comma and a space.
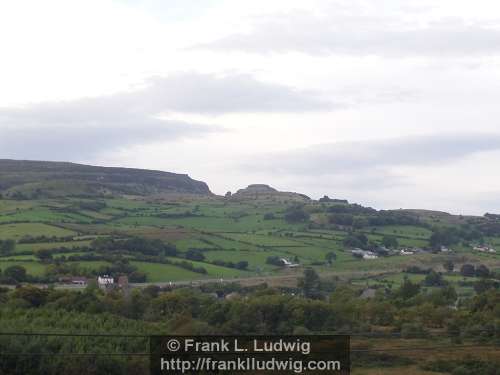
255, 259
230, 231
18, 257
91, 265
17, 231
402, 231
157, 272
33, 268
31, 247
216, 271
261, 240
196, 243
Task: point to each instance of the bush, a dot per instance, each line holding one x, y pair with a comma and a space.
195, 254
413, 331
296, 214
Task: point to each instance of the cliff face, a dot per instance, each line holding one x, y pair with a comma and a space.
30, 179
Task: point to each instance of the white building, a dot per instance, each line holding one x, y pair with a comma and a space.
406, 252
287, 263
105, 281
485, 249
365, 254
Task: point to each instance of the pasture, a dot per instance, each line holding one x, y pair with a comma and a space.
19, 230
224, 231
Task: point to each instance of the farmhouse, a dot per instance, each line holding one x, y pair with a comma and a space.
79, 280
73, 280
289, 264
406, 252
105, 282
365, 254
485, 249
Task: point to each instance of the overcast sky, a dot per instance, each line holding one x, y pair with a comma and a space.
389, 103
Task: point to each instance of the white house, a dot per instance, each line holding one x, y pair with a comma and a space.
406, 252
287, 263
485, 249
365, 254
105, 281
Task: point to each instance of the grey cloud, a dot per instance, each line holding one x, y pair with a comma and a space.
356, 158
362, 35
85, 141
86, 127
207, 94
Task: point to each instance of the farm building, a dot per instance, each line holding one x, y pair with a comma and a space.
73, 280
365, 254
484, 249
289, 264
105, 282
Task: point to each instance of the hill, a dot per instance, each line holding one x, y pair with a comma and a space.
39, 179
266, 192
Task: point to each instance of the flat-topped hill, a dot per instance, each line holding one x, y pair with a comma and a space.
34, 179
263, 192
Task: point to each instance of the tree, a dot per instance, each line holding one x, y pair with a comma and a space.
35, 296
241, 265
356, 240
468, 270
359, 222
275, 261
341, 219
44, 255
296, 214
330, 257
15, 272
195, 254
408, 289
482, 271
310, 283
390, 242
444, 237
483, 285
7, 246
434, 279
449, 266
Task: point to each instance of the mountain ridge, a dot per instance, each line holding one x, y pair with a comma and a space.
31, 179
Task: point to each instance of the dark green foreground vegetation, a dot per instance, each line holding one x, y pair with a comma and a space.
403, 317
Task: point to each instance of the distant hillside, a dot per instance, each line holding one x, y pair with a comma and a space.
35, 179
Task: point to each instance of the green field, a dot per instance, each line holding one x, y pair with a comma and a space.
165, 272
19, 230
33, 268
32, 247
223, 231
